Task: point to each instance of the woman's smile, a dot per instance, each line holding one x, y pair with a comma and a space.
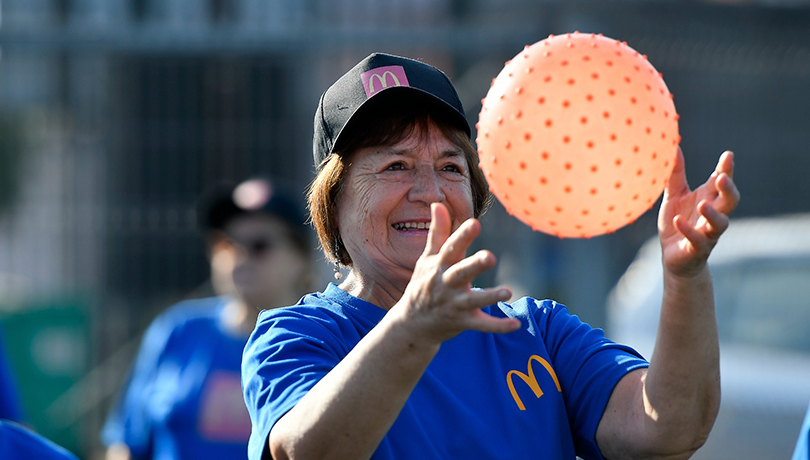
419, 227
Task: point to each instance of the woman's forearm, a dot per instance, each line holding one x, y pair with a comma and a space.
682, 388
347, 413
667, 411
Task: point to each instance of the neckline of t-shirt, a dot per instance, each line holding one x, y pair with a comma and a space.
367, 309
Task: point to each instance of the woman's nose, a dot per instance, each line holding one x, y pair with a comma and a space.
426, 186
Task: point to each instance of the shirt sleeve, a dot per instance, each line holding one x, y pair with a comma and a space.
17, 441
588, 365
129, 421
287, 354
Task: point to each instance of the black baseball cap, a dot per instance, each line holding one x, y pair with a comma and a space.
374, 83
223, 202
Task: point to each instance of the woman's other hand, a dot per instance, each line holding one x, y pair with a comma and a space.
690, 222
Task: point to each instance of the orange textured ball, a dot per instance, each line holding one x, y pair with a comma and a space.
578, 135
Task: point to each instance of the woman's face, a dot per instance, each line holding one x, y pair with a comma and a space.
384, 207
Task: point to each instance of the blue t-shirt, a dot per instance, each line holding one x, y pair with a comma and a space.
183, 399
538, 392
20, 443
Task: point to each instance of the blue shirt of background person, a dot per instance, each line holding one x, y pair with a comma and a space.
182, 399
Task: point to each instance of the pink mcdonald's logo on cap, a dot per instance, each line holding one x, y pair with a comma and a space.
375, 80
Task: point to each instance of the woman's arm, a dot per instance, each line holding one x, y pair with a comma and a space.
347, 413
668, 410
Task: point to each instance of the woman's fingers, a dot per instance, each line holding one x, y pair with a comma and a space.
694, 236
472, 302
724, 190
480, 298
726, 163
473, 299
715, 221
451, 247
486, 323
463, 272
706, 231
455, 248
676, 184
728, 195
439, 228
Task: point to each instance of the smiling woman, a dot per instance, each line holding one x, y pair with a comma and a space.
405, 359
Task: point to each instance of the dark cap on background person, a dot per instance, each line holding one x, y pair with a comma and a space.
375, 82
224, 202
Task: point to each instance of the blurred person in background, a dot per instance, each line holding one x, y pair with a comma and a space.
405, 359
183, 398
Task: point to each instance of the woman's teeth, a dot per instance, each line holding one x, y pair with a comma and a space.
412, 226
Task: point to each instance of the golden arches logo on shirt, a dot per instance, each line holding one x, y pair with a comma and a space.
376, 80
530, 379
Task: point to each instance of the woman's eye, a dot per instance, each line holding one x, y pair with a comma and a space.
451, 168
396, 167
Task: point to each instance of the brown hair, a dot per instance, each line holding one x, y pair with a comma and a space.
385, 130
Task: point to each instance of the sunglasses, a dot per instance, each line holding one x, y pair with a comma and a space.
255, 247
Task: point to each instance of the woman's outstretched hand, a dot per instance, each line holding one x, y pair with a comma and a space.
439, 300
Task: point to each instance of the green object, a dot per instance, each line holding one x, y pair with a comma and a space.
47, 343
